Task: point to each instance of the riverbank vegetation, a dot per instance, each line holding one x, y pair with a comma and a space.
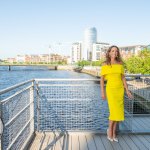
139, 63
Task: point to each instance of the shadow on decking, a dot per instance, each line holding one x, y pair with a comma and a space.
89, 141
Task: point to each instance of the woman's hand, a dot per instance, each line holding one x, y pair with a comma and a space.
130, 96
103, 96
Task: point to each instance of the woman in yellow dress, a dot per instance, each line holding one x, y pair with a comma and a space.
112, 70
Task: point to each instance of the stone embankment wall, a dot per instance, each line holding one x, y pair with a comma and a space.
65, 67
92, 70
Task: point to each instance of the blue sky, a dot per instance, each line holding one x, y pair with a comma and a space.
30, 26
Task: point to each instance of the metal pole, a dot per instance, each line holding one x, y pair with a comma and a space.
37, 108
1, 127
9, 67
32, 108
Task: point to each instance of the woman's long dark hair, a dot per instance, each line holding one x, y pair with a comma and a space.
118, 58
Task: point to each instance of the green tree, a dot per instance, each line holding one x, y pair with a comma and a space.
97, 63
139, 63
83, 63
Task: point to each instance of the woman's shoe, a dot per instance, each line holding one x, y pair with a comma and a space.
116, 139
110, 139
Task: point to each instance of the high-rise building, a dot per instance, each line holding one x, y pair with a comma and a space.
76, 52
90, 37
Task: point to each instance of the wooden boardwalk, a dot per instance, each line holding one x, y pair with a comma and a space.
98, 141
91, 141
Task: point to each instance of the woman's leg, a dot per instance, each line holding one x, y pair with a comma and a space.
114, 129
110, 133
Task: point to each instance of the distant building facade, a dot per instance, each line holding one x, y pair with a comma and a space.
45, 58
99, 51
76, 52
11, 60
42, 58
128, 51
20, 58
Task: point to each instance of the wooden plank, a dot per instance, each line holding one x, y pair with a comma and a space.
116, 145
136, 126
69, 143
106, 142
147, 137
58, 144
37, 141
98, 142
90, 142
147, 120
142, 122
131, 144
33, 143
123, 143
75, 142
45, 140
61, 141
83, 142
50, 139
138, 143
144, 141
64, 142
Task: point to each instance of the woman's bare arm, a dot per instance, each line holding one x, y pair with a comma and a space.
126, 87
102, 88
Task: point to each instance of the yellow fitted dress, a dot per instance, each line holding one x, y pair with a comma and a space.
114, 90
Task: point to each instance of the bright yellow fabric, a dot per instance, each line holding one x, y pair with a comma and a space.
114, 90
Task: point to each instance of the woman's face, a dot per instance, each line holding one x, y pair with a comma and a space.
113, 53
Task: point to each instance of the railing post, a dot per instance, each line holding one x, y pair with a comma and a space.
32, 108
132, 109
1, 126
37, 107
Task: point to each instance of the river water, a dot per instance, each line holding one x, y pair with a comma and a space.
19, 74
86, 100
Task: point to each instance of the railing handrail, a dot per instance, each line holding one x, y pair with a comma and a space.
7, 99
65, 79
15, 86
85, 79
137, 75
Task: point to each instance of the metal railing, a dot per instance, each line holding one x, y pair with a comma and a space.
67, 105
73, 101
17, 115
78, 105
140, 87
